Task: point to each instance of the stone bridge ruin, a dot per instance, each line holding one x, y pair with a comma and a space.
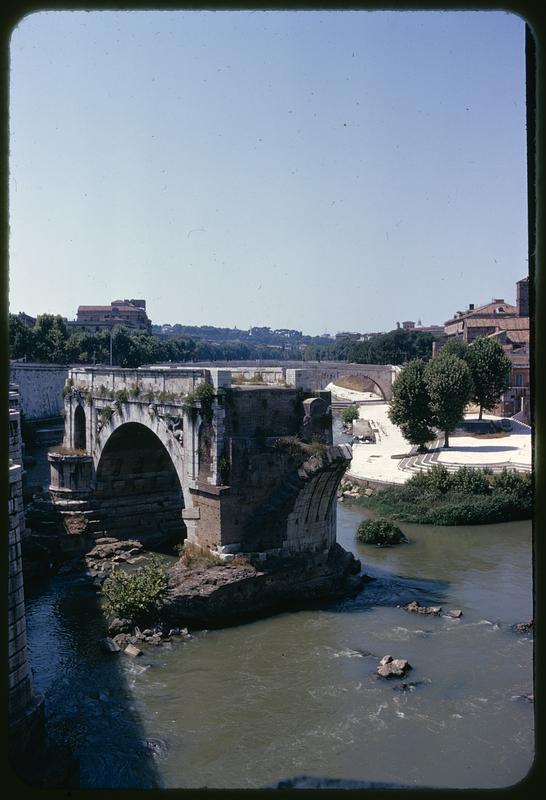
232, 460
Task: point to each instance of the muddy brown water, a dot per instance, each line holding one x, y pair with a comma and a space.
297, 693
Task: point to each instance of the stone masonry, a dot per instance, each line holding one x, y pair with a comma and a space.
247, 466
40, 389
25, 707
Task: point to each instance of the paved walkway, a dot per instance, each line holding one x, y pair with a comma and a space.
376, 461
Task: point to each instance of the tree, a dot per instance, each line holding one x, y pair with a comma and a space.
21, 338
51, 336
455, 347
490, 369
449, 386
349, 414
410, 405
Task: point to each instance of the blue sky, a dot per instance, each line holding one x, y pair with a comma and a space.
322, 171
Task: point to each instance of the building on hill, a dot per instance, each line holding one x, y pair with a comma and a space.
130, 313
510, 326
494, 317
26, 319
348, 335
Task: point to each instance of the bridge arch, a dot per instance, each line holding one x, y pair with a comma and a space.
359, 382
137, 486
139, 466
80, 438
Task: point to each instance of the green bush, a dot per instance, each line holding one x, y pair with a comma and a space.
379, 531
467, 497
468, 480
138, 595
512, 482
438, 480
349, 414
501, 507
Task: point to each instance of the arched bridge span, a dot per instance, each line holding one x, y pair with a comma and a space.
185, 453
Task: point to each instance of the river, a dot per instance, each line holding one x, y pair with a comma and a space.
297, 693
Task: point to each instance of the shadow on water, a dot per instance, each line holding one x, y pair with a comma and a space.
90, 715
386, 589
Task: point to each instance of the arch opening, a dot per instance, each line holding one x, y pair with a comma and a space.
138, 491
79, 429
359, 383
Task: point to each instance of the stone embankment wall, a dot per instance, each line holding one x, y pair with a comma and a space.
25, 708
40, 389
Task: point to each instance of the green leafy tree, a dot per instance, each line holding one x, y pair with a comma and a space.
490, 369
125, 351
410, 407
449, 385
50, 336
455, 347
349, 414
21, 339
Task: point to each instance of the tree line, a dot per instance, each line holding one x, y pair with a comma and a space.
50, 341
395, 347
434, 394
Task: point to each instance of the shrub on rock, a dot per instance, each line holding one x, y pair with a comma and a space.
380, 532
137, 595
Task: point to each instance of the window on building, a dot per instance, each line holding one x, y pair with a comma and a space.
519, 379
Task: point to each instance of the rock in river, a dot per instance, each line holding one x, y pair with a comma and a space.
390, 667
418, 609
131, 650
109, 646
120, 626
523, 627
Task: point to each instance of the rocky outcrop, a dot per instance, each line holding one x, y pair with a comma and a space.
107, 552
390, 667
523, 627
222, 593
418, 609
